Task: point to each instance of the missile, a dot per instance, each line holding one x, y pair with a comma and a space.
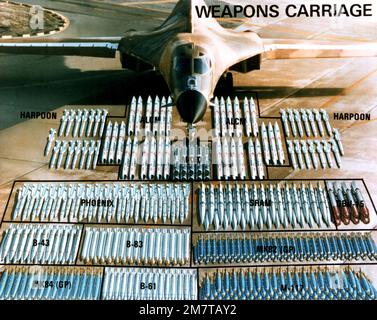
120, 143
63, 122
62, 150
160, 156
246, 112
284, 119
351, 203
218, 153
312, 151
305, 151
97, 120
320, 150
297, 118
156, 115
125, 168
279, 145
345, 214
325, 118
224, 130
237, 115
106, 145
298, 152
363, 209
233, 157
132, 115
291, 118
240, 158
103, 122
318, 119
96, 153
71, 150
113, 143
305, 120
335, 150
266, 149
327, 150
272, 143
338, 140
152, 159
292, 155
148, 116
167, 158
226, 158
55, 152
230, 116
134, 157
145, 158
91, 150
69, 121
92, 115
162, 123
253, 114
169, 119
84, 152
312, 122
50, 139
259, 162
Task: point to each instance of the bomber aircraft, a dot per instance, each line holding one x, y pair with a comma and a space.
192, 54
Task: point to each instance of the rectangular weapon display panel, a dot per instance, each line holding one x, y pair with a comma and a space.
189, 214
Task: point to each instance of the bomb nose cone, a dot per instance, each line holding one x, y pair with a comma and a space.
191, 106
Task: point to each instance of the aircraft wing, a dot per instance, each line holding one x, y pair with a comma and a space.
301, 49
91, 47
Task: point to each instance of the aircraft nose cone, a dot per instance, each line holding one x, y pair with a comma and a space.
191, 106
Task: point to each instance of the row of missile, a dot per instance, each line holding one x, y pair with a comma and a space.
18, 283
305, 121
80, 154
156, 116
303, 153
262, 207
80, 122
191, 160
286, 284
90, 202
149, 284
278, 247
147, 246
113, 144
227, 117
230, 163
155, 160
40, 244
347, 203
271, 144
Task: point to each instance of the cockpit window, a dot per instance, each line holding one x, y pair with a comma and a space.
183, 64
200, 65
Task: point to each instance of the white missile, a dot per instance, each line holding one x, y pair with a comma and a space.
253, 115
50, 139
272, 143
279, 145
230, 116
113, 143
246, 113
156, 115
265, 144
132, 115
148, 116
120, 143
252, 165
